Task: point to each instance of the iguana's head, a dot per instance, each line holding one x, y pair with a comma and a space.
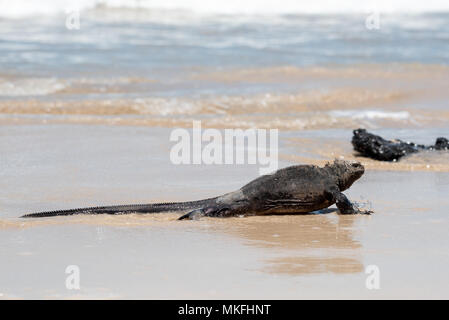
347, 172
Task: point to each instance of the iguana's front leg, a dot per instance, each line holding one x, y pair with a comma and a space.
346, 207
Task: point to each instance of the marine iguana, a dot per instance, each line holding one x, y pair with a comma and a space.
376, 147
295, 189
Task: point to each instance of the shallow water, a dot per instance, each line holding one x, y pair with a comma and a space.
149, 67
262, 257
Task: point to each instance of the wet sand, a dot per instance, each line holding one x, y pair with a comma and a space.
288, 98
322, 255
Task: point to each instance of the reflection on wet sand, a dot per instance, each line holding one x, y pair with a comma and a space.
298, 244
310, 265
304, 244
293, 232
130, 220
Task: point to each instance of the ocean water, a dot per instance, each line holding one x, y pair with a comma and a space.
140, 42
156, 62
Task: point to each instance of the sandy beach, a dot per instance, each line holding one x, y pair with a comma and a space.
86, 118
156, 256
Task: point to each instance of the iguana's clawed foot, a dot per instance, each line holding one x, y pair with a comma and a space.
347, 207
356, 211
361, 211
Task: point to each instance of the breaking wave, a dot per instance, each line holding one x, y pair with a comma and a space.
30, 86
20, 8
371, 114
288, 98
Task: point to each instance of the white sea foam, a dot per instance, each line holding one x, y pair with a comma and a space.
20, 8
30, 87
370, 114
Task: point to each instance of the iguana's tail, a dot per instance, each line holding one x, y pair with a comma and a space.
126, 209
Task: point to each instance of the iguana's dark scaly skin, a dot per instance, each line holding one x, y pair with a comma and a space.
295, 189
123, 209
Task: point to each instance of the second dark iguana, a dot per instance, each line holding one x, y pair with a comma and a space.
376, 147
